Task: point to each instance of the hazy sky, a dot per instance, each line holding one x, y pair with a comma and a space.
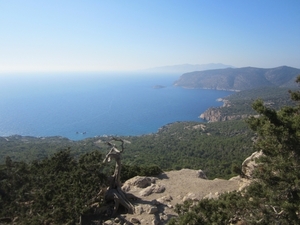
97, 35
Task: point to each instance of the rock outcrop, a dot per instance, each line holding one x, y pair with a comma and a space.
201, 174
249, 164
138, 182
156, 197
214, 114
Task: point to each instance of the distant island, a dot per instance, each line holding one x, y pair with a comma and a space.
158, 86
185, 68
237, 79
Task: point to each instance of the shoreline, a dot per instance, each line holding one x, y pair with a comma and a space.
58, 137
216, 89
78, 135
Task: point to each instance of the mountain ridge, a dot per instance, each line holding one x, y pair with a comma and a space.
237, 79
185, 68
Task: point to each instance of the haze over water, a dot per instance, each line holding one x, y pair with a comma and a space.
79, 106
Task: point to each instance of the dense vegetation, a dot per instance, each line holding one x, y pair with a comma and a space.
54, 190
274, 197
212, 147
58, 189
241, 102
240, 78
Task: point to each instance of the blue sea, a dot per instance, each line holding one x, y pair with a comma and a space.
79, 106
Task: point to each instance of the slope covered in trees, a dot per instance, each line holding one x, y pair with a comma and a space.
239, 104
58, 189
239, 78
54, 190
274, 196
213, 148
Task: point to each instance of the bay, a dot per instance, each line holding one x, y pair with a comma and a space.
82, 105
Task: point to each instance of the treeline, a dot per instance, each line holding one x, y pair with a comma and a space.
27, 148
58, 189
214, 148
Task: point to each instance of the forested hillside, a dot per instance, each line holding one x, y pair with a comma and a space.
214, 148
274, 195
239, 78
62, 179
239, 104
53, 190
56, 189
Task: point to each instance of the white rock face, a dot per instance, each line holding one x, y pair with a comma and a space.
249, 163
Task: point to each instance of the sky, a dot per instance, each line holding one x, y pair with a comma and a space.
96, 35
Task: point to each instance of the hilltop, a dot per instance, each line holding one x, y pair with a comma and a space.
158, 207
239, 78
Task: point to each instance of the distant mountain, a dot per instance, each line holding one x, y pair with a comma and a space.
239, 78
185, 68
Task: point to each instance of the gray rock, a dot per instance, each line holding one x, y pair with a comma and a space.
190, 196
212, 196
152, 210
164, 217
108, 222
138, 181
117, 220
165, 199
139, 209
135, 220
250, 164
154, 188
155, 222
201, 174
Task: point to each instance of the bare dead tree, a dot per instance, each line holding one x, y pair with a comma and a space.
114, 191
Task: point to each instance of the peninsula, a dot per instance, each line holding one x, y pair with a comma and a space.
237, 79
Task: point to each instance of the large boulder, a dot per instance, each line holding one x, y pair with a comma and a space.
250, 164
154, 188
201, 174
139, 182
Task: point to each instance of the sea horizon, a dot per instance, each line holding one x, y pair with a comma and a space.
83, 105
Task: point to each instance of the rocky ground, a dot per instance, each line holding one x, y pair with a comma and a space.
159, 195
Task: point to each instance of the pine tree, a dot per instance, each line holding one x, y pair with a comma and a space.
279, 174
274, 197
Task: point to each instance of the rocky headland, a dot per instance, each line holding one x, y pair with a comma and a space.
214, 114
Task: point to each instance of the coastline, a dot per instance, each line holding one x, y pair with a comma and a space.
216, 89
126, 107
